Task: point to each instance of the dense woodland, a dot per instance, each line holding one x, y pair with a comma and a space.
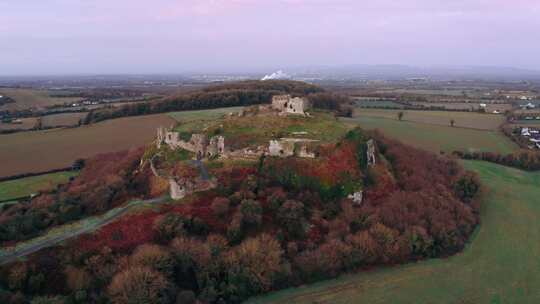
270, 225
233, 94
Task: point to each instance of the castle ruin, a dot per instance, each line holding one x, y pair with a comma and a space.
290, 105
198, 144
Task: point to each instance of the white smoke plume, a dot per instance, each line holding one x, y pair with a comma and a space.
277, 75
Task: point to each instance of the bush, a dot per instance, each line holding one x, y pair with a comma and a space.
251, 211
257, 261
467, 187
185, 297
291, 218
154, 257
48, 300
220, 206
169, 226
139, 285
234, 231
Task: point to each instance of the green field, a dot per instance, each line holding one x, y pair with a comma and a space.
251, 130
29, 185
501, 265
438, 138
202, 115
32, 98
469, 120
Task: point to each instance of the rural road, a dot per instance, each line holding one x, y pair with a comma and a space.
8, 255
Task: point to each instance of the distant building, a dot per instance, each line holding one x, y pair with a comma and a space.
290, 105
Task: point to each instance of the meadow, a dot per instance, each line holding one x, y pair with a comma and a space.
461, 119
39, 151
437, 138
500, 265
29, 185
202, 115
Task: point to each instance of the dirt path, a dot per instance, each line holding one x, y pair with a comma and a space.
68, 231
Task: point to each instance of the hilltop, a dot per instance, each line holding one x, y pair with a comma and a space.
258, 199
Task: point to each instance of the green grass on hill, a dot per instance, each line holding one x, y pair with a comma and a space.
500, 265
252, 130
29, 185
438, 138
202, 115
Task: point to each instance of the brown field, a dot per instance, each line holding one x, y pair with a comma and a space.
462, 119
62, 120
31, 98
45, 150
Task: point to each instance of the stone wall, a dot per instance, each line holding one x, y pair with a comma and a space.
198, 144
289, 105
286, 147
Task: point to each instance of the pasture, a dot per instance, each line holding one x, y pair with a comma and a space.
50, 149
32, 98
462, 119
202, 115
500, 265
30, 185
438, 138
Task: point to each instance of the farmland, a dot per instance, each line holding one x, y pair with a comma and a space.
462, 119
500, 265
62, 120
45, 150
31, 98
438, 138
29, 185
26, 124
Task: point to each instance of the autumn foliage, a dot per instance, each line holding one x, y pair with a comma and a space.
280, 222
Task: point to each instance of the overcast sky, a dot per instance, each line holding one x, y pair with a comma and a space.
173, 36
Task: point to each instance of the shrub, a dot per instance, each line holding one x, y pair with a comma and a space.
169, 226
154, 257
185, 297
234, 231
77, 279
220, 206
139, 285
48, 300
17, 276
256, 260
291, 218
467, 187
251, 211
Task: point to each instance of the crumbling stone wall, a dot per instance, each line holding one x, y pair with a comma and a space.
198, 144
289, 105
286, 147
370, 152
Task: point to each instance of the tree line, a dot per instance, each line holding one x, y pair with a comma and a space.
244, 93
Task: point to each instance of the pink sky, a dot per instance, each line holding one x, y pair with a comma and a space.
167, 36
